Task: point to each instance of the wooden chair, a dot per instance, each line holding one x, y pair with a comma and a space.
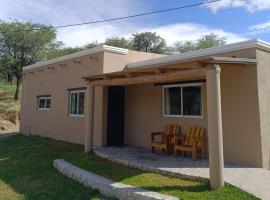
166, 138
193, 141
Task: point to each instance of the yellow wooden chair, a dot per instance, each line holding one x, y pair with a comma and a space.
193, 141
165, 142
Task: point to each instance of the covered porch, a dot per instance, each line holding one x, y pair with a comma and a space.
204, 69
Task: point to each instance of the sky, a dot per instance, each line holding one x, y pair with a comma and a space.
236, 20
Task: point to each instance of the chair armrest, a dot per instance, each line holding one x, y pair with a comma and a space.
155, 134
199, 140
178, 137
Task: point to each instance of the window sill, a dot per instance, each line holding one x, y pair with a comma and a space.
72, 115
44, 109
184, 116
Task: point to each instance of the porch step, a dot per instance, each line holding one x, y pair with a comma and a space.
106, 186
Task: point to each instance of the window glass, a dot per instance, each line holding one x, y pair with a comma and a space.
44, 103
192, 100
76, 105
48, 103
81, 103
41, 103
172, 98
73, 103
182, 100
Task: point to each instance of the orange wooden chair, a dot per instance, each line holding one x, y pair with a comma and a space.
165, 142
193, 141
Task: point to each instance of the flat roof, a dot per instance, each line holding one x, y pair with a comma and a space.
201, 53
162, 60
101, 48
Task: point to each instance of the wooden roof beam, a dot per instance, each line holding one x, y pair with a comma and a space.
169, 76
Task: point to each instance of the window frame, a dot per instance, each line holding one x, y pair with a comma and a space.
181, 103
45, 98
78, 100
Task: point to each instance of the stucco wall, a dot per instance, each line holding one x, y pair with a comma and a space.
143, 114
263, 75
56, 123
240, 115
241, 130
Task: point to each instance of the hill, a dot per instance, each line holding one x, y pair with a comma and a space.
9, 108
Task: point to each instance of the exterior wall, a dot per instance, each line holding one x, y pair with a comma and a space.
240, 113
56, 123
263, 74
116, 62
143, 114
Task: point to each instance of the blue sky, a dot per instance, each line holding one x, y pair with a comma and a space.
236, 20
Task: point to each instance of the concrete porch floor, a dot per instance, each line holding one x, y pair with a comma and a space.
250, 179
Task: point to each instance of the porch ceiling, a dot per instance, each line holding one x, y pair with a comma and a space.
187, 69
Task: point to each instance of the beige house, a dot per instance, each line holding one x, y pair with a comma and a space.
113, 96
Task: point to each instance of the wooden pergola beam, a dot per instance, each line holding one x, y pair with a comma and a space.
169, 76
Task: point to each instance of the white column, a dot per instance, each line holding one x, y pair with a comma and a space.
89, 118
215, 140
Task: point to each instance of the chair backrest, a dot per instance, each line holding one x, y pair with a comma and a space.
193, 132
170, 129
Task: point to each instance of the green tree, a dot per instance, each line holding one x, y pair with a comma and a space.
61, 51
91, 45
20, 48
207, 41
148, 42
120, 42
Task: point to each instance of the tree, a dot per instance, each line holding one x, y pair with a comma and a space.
91, 45
58, 52
148, 42
23, 44
207, 41
211, 40
120, 42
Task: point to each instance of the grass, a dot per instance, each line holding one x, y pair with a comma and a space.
9, 108
7, 101
26, 172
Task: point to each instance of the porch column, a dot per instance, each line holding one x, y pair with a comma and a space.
89, 118
215, 140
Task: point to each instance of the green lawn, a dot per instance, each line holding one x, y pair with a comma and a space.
26, 172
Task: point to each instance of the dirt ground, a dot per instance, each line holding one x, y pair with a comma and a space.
8, 127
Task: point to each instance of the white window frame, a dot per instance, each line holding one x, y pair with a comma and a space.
45, 98
69, 105
181, 85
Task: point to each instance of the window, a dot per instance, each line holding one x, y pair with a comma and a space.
182, 100
76, 103
44, 103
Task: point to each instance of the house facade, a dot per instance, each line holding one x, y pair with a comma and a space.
112, 96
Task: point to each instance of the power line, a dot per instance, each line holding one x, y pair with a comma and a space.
125, 17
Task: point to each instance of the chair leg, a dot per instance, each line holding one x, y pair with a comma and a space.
175, 152
153, 149
163, 150
194, 155
167, 152
203, 153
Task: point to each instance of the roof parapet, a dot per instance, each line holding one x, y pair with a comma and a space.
102, 48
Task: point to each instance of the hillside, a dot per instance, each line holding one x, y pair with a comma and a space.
9, 109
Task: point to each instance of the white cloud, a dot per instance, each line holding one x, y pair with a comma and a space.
171, 33
249, 5
259, 28
57, 12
